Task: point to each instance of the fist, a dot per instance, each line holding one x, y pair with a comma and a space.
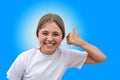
73, 38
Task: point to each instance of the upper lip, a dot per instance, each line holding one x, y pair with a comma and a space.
49, 42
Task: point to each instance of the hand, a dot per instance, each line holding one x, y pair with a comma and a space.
73, 38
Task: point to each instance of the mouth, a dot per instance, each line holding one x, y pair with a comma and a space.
50, 45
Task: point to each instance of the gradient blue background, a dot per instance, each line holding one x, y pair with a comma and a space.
99, 24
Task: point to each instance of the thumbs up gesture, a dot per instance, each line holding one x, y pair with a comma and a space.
73, 38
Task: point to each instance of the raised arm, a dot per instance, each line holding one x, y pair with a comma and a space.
94, 54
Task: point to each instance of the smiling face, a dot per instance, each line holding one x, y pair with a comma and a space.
50, 37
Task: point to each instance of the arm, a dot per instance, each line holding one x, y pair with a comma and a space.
16, 71
94, 54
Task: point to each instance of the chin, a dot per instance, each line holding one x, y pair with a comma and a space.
50, 51
47, 50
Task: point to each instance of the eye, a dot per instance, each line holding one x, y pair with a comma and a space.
45, 33
55, 34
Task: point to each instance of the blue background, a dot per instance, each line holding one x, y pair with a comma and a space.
99, 19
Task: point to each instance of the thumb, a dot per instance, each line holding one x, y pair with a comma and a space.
74, 30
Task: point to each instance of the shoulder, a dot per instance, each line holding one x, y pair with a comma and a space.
72, 51
27, 53
74, 58
67, 50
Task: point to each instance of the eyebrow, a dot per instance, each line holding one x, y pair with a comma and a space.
44, 31
53, 31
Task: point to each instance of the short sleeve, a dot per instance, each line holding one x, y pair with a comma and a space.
76, 58
16, 71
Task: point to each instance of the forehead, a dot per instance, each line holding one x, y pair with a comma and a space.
50, 26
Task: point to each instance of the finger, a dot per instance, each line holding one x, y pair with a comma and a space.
68, 36
68, 43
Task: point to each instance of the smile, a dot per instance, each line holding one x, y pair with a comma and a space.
49, 45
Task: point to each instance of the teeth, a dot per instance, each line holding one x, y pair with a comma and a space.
49, 42
49, 45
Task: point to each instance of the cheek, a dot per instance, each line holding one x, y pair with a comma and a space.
58, 39
41, 38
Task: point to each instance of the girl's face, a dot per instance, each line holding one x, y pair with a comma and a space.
50, 37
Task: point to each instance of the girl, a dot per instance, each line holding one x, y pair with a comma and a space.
49, 61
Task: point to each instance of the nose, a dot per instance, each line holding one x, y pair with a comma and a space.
49, 38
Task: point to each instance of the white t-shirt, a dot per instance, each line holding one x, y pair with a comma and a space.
34, 65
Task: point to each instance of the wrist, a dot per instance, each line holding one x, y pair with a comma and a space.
81, 43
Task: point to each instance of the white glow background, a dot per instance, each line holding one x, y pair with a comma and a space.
28, 21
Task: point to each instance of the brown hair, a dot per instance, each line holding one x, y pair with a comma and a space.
51, 18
